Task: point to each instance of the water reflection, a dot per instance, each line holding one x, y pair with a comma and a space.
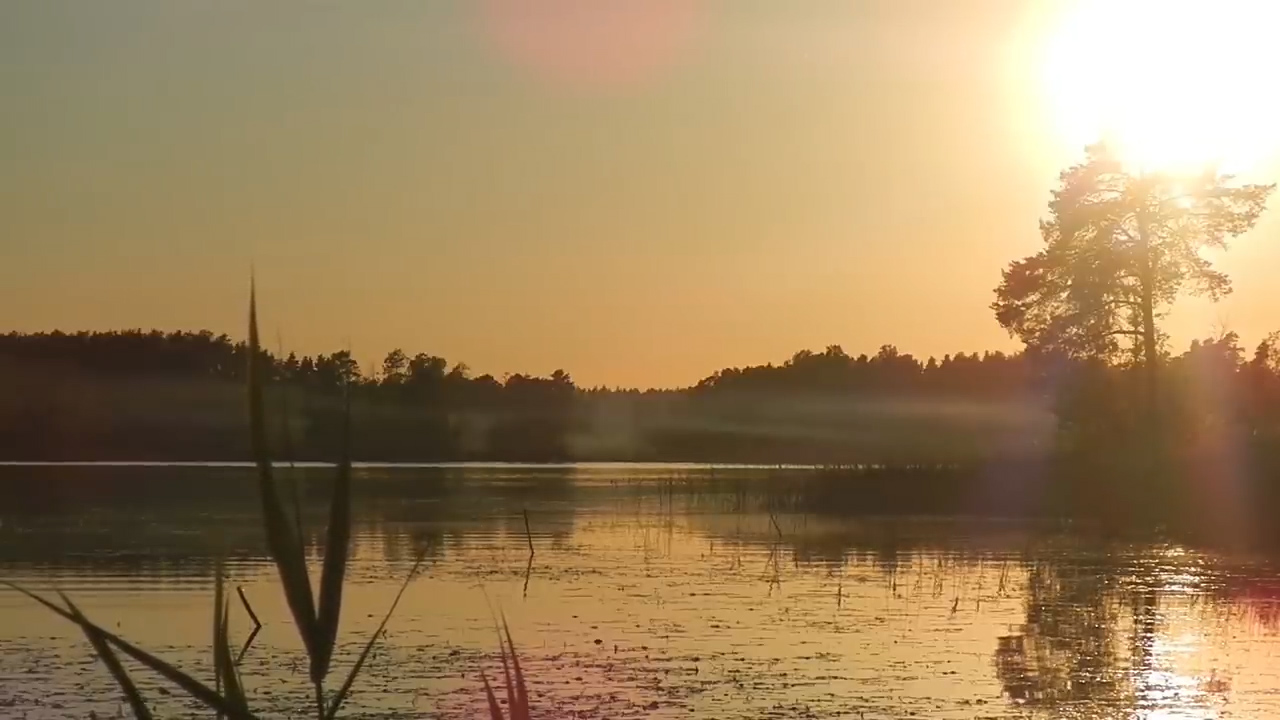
1121, 632
710, 595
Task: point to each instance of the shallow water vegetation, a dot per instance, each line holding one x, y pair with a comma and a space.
513, 683
315, 617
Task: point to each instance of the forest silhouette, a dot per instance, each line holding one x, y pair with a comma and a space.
155, 395
84, 396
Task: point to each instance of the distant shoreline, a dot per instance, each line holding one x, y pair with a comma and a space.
479, 465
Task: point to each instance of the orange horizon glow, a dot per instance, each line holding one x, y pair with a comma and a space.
640, 195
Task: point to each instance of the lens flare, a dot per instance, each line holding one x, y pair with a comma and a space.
593, 43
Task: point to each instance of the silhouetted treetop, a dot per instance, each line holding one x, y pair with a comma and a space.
1119, 248
888, 371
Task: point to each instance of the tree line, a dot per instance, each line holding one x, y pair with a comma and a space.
421, 377
204, 354
178, 395
1119, 247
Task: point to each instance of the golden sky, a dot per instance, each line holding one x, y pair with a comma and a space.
640, 194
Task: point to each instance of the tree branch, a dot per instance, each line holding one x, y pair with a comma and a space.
1127, 234
1121, 303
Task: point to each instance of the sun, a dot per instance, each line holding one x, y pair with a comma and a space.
1172, 84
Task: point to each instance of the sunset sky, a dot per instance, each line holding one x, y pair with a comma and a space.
640, 194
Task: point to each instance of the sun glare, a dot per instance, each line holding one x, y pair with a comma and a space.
1174, 84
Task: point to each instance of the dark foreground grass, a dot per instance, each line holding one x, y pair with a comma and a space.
316, 614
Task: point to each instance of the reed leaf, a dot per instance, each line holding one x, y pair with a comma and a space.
109, 658
495, 710
520, 709
513, 680
506, 677
286, 449
341, 696
224, 666
230, 674
192, 687
217, 625
337, 549
283, 543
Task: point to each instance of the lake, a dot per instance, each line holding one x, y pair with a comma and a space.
652, 591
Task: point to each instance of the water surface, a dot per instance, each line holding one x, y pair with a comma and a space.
652, 591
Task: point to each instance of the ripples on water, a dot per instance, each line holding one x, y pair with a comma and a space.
654, 592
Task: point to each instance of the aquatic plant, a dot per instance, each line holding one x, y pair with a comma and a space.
513, 681
316, 618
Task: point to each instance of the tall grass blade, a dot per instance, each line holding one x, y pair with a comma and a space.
283, 543
513, 679
217, 625
224, 668
341, 696
227, 669
286, 448
337, 550
520, 711
192, 687
495, 711
506, 677
108, 658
